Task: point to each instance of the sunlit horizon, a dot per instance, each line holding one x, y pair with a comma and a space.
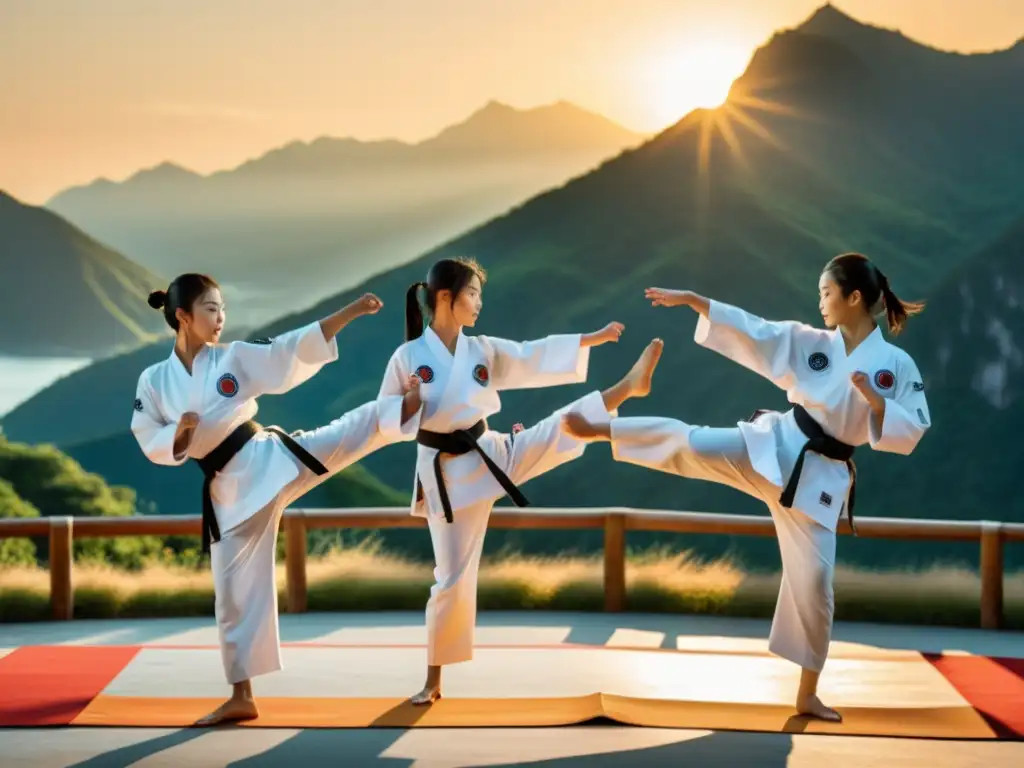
111, 89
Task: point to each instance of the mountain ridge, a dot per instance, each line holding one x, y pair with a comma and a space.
488, 112
306, 219
98, 295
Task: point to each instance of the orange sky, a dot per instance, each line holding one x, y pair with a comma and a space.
105, 87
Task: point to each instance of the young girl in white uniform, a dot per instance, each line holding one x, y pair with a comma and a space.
462, 467
200, 403
849, 387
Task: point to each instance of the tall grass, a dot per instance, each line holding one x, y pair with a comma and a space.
366, 578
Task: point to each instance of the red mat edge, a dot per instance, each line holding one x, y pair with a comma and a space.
53, 684
993, 685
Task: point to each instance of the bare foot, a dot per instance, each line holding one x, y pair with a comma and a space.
232, 709
812, 707
428, 695
576, 425
640, 375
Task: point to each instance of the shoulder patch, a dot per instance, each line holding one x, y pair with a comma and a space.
227, 385
138, 405
262, 340
818, 361
425, 374
480, 375
919, 386
885, 379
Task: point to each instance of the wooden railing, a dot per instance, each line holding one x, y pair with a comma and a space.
615, 522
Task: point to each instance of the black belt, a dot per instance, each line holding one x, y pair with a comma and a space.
218, 458
458, 443
821, 443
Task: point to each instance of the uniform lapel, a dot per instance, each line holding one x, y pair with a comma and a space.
862, 354
457, 376
202, 366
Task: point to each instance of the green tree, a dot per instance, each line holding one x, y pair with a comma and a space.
56, 485
15, 551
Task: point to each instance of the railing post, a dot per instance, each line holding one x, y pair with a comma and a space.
614, 562
62, 595
991, 575
295, 559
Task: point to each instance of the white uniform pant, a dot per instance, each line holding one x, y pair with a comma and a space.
451, 608
802, 626
243, 560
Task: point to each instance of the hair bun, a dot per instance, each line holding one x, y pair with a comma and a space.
157, 299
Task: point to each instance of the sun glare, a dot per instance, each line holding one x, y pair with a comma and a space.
695, 76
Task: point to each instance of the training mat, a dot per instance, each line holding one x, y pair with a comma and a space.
899, 694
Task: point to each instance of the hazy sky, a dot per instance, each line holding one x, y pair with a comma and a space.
104, 87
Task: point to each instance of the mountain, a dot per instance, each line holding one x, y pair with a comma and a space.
64, 294
308, 219
817, 152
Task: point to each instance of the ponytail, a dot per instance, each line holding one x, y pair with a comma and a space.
896, 310
855, 272
445, 275
182, 293
413, 312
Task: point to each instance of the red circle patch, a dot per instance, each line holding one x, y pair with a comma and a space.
481, 375
425, 374
227, 385
885, 379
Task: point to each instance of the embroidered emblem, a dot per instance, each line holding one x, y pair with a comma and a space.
919, 386
517, 428
921, 418
425, 373
138, 405
481, 376
885, 379
264, 340
818, 361
825, 500
227, 385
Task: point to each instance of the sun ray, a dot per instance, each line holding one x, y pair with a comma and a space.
766, 105
703, 197
755, 127
725, 126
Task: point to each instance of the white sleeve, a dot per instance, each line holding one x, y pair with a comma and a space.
906, 417
548, 362
154, 435
389, 403
274, 366
768, 348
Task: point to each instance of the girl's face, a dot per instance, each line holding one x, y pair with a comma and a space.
206, 320
468, 304
835, 309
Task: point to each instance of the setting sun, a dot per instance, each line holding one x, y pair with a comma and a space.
694, 76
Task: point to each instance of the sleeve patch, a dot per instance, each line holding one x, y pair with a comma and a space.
919, 386
263, 340
138, 405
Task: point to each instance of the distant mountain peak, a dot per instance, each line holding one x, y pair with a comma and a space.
556, 126
829, 20
493, 106
831, 14
165, 171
